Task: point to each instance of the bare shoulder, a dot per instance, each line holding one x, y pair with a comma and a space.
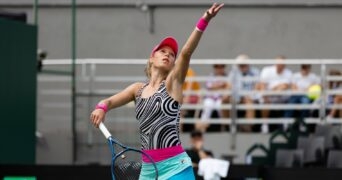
137, 84
135, 87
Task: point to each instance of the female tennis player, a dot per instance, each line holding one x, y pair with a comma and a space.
158, 103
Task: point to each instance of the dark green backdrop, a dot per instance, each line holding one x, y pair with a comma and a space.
18, 47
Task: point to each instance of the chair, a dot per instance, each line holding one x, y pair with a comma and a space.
257, 159
297, 129
313, 149
278, 140
289, 158
331, 134
334, 159
302, 142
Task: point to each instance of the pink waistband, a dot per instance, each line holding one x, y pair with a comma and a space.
162, 154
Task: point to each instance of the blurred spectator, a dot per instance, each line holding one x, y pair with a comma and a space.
197, 152
214, 100
274, 78
192, 98
41, 55
243, 70
337, 98
302, 81
190, 85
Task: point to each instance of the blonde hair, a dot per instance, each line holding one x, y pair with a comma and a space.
148, 69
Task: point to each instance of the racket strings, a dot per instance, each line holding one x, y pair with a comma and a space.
129, 170
127, 165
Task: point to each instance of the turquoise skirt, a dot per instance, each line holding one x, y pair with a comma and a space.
168, 168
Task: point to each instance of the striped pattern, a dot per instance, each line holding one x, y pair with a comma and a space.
158, 117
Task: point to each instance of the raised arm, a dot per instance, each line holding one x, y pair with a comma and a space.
182, 63
117, 100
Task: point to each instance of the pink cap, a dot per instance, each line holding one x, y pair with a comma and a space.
168, 41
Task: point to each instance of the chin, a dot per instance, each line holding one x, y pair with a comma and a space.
165, 66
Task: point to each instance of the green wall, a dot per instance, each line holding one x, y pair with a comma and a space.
18, 81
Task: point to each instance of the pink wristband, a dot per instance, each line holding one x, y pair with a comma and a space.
102, 106
201, 24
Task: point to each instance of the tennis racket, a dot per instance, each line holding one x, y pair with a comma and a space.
126, 161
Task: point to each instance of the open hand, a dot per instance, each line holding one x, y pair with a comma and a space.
212, 11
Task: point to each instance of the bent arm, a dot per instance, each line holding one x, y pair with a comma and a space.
117, 100
123, 97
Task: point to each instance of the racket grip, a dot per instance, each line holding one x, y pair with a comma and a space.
104, 130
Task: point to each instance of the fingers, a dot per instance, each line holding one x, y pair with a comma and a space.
93, 118
214, 9
218, 7
96, 118
211, 9
213, 6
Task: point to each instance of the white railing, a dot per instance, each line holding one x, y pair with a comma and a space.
89, 69
88, 75
194, 61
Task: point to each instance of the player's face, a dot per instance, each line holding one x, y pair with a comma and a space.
164, 58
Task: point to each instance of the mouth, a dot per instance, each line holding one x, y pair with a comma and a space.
166, 60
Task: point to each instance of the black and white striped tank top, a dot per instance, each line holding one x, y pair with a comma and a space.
158, 117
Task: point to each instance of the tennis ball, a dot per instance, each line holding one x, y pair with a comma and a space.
314, 92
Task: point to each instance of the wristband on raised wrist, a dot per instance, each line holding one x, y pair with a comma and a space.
102, 106
202, 24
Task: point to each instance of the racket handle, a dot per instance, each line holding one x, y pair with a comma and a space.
104, 130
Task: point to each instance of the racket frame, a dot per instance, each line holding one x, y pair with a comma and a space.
112, 141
